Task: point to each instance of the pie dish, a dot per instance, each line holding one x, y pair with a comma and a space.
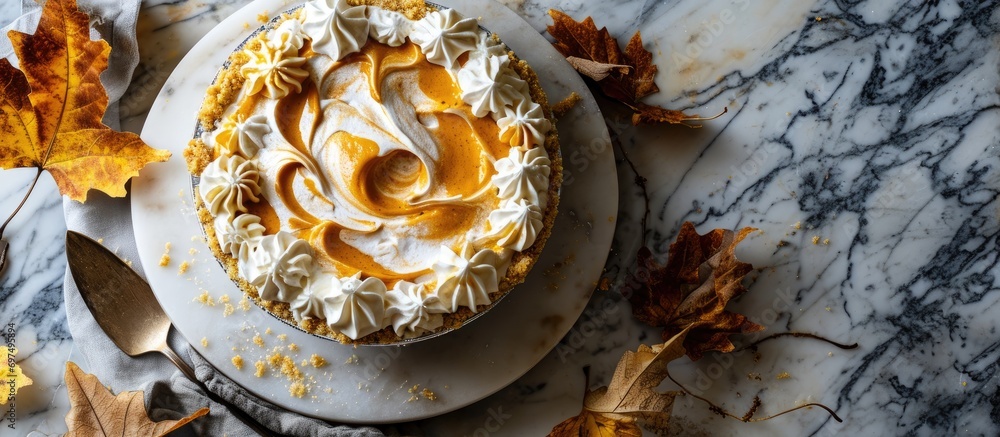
375, 173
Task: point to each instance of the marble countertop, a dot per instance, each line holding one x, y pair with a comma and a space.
861, 139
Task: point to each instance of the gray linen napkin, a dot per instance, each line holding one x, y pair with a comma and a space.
169, 395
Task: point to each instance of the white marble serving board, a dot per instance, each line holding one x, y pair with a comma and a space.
460, 367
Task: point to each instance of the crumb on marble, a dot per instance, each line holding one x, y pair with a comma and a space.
258, 340
165, 260
297, 389
428, 394
317, 361
282, 337
183, 268
783, 375
797, 225
245, 305
205, 299
204, 341
414, 389
228, 310
819, 19
224, 298
826, 241
815, 239
565, 105
192, 251
268, 331
238, 362
353, 359
293, 347
260, 368
289, 369
274, 360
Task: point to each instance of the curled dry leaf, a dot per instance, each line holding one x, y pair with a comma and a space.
631, 398
701, 276
51, 112
94, 411
626, 76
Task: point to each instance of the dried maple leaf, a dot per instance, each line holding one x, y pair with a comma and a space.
13, 378
631, 398
50, 114
94, 411
626, 76
701, 276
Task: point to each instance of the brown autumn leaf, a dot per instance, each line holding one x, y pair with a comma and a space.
583, 40
631, 398
94, 411
701, 276
50, 114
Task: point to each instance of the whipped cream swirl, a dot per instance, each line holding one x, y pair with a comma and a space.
524, 174
227, 184
272, 71
239, 236
466, 278
353, 307
443, 36
486, 87
244, 137
516, 224
388, 27
279, 266
337, 29
287, 38
412, 309
524, 124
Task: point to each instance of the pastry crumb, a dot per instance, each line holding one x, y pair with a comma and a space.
353, 359
297, 389
260, 367
797, 225
293, 347
289, 369
227, 310
565, 105
205, 299
429, 395
268, 331
183, 268
783, 375
245, 305
317, 361
204, 341
264, 17
258, 340
815, 239
238, 362
165, 260
282, 337
224, 298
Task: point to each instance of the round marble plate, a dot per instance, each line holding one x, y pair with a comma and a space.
375, 384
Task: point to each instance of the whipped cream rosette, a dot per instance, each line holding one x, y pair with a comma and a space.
375, 175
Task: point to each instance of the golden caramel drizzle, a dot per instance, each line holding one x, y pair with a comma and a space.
383, 186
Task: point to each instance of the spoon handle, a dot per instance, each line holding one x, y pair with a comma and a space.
189, 372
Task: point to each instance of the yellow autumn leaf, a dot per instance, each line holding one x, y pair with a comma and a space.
94, 411
13, 378
51, 109
631, 398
